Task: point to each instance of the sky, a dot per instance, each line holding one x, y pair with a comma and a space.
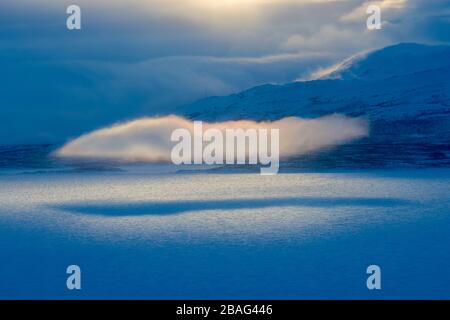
143, 58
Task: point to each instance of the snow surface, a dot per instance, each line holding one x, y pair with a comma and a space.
187, 236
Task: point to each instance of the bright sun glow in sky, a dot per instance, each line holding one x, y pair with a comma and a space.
229, 4
240, 3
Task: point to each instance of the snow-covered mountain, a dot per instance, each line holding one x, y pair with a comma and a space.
397, 60
403, 90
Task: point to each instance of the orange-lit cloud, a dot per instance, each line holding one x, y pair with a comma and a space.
148, 139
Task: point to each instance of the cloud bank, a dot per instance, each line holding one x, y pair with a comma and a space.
141, 58
148, 139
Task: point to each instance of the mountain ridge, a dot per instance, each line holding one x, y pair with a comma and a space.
425, 87
404, 103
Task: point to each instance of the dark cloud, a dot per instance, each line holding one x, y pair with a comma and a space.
148, 57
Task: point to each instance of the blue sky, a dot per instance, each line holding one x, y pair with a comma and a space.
135, 58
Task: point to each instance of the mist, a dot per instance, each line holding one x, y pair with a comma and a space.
148, 139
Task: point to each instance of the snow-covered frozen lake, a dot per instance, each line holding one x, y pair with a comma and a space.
194, 235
